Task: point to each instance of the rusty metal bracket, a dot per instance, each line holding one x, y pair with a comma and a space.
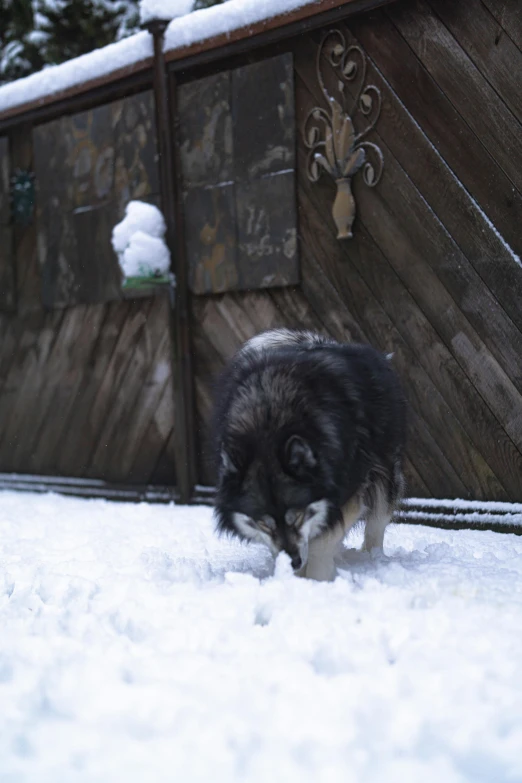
334, 144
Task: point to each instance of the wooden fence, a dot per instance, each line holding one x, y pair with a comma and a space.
96, 386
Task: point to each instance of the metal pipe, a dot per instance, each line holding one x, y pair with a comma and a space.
172, 207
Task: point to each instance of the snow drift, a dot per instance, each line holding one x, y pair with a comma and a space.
137, 646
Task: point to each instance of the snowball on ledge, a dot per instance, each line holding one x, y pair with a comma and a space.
139, 241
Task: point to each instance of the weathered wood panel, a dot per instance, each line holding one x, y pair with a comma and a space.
470, 93
263, 118
7, 280
88, 167
449, 465
78, 400
210, 228
442, 125
426, 275
28, 279
508, 15
5, 209
478, 254
85, 391
7, 285
206, 141
495, 55
237, 140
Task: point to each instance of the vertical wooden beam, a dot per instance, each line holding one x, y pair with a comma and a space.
172, 207
25, 239
7, 244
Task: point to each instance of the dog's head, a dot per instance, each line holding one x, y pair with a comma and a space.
274, 496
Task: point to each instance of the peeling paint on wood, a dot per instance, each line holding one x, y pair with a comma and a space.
211, 238
264, 117
267, 237
206, 131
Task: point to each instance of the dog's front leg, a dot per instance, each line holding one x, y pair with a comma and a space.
321, 551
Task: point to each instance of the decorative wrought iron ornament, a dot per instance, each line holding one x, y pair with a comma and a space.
334, 144
22, 196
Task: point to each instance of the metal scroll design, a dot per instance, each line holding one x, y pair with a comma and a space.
330, 135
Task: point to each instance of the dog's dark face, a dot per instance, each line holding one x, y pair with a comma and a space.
274, 498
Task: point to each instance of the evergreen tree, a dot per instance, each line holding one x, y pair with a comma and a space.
20, 52
69, 28
35, 33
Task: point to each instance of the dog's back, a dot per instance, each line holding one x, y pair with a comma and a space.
344, 397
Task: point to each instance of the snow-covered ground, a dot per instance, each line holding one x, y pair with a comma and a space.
136, 646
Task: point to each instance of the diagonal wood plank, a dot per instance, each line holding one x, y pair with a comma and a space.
481, 257
127, 390
156, 446
130, 437
498, 59
62, 379
76, 440
508, 14
441, 123
20, 394
404, 228
470, 93
129, 335
459, 461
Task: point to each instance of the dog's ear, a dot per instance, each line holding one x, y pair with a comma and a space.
299, 457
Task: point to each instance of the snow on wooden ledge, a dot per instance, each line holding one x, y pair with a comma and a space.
462, 513
435, 512
235, 15
84, 70
205, 28
164, 9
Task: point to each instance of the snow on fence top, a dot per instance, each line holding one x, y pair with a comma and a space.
217, 23
164, 9
85, 69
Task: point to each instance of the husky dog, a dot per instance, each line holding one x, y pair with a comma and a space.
310, 436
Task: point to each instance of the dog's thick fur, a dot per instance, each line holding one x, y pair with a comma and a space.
310, 436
